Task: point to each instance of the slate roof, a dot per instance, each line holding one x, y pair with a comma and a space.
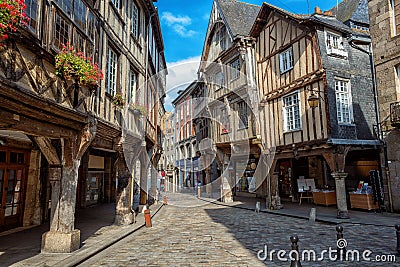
239, 16
355, 10
330, 22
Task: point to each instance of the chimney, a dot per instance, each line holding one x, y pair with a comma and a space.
317, 10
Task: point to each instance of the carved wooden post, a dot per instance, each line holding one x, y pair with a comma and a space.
143, 175
55, 180
123, 214
62, 237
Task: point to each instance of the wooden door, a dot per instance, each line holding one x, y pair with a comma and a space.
12, 188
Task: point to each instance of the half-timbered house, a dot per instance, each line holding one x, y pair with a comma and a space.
226, 71
65, 145
317, 103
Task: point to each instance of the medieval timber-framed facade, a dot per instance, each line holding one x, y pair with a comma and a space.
226, 75
68, 140
298, 56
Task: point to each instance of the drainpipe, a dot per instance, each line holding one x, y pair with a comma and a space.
380, 134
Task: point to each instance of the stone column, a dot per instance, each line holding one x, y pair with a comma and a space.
208, 182
153, 183
62, 237
123, 214
339, 177
226, 192
275, 198
143, 180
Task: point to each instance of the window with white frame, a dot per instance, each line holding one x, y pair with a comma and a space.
132, 86
219, 80
343, 101
32, 12
73, 22
243, 114
396, 16
117, 3
334, 40
112, 68
235, 69
286, 60
225, 121
135, 20
291, 112
398, 76
220, 37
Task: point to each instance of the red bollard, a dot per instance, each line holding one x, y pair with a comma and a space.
165, 200
147, 218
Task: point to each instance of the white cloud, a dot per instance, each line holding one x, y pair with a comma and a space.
180, 75
178, 24
170, 19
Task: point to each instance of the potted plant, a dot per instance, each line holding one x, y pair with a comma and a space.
139, 109
11, 15
72, 64
118, 100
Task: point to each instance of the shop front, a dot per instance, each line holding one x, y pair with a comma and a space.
244, 175
14, 166
310, 179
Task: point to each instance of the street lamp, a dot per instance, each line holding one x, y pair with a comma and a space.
313, 100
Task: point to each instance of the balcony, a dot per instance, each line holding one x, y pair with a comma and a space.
338, 52
395, 114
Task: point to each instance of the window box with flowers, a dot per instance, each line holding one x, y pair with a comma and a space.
139, 109
118, 101
11, 15
72, 64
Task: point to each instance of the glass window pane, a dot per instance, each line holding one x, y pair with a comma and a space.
3, 156
31, 11
61, 31
13, 157
21, 158
65, 5
80, 14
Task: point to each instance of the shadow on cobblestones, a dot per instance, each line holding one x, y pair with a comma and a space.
255, 231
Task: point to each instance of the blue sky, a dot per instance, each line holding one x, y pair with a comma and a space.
184, 24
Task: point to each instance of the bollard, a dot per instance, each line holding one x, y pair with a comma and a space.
147, 218
341, 243
295, 262
165, 200
198, 191
313, 212
397, 226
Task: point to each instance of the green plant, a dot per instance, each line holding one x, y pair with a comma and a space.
142, 109
72, 64
118, 100
11, 15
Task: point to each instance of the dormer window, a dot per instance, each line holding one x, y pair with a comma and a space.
334, 45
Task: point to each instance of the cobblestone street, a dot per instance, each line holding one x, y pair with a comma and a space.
204, 234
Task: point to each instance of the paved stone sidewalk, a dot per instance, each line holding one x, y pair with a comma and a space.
94, 241
192, 234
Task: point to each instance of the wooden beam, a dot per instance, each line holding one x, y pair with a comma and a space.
47, 149
32, 126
